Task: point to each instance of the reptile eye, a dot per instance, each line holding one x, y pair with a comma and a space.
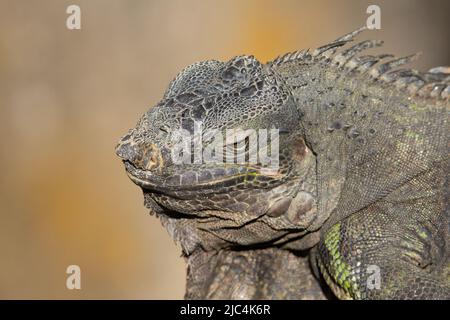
164, 129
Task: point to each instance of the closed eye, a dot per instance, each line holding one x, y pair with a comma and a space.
164, 129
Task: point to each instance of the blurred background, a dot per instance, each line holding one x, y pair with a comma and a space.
66, 96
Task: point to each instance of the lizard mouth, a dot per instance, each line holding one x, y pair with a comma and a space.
210, 178
140, 178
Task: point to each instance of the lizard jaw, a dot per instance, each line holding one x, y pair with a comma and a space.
196, 181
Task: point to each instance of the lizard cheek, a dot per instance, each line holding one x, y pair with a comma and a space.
148, 157
303, 210
279, 207
154, 159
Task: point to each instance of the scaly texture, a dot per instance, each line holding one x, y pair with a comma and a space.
362, 182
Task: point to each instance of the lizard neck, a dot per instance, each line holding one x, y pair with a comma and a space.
330, 106
369, 137
327, 104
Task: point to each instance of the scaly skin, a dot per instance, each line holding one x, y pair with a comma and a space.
267, 273
362, 182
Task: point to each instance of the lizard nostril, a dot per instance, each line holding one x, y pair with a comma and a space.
153, 158
140, 154
124, 151
152, 162
132, 153
145, 157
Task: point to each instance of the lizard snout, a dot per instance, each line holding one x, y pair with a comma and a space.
145, 157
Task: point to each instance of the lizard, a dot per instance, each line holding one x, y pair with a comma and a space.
357, 207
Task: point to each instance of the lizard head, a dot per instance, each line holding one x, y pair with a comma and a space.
223, 143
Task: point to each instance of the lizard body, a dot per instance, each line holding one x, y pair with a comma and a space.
361, 187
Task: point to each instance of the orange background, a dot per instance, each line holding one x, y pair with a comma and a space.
67, 96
